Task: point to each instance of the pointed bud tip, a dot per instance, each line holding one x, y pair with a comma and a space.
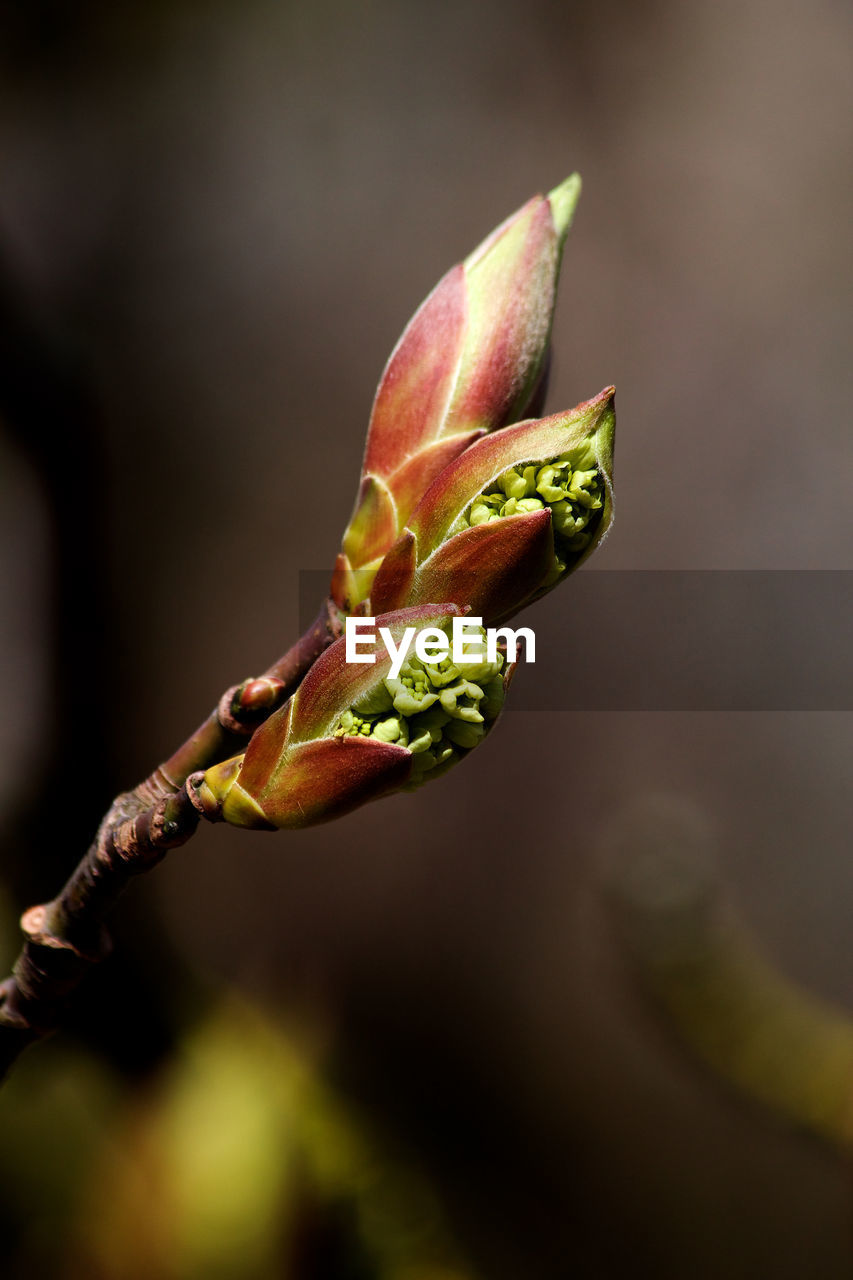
605, 430
563, 201
603, 402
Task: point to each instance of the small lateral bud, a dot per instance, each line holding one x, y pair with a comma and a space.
242, 708
257, 695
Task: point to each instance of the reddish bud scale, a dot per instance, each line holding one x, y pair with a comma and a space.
468, 362
494, 569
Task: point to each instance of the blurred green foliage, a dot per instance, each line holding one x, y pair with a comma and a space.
237, 1161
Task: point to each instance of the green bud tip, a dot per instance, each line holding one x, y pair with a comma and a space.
563, 201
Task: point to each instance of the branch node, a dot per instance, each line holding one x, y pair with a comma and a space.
35, 927
64, 938
194, 782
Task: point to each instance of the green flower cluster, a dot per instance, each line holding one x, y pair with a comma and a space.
436, 709
569, 485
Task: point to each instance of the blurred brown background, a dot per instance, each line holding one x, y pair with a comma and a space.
215, 220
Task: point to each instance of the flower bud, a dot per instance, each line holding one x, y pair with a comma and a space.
509, 518
352, 732
470, 361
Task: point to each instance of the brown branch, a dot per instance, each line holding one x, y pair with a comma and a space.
65, 938
245, 706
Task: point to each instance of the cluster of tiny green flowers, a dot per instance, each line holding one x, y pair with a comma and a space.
438, 710
569, 485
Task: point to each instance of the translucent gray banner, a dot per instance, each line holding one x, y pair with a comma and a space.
692, 640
